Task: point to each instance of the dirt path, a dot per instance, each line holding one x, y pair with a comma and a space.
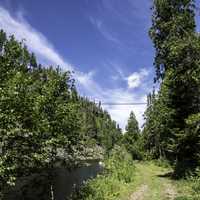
139, 194
151, 184
170, 192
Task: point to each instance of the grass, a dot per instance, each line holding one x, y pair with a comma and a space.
150, 174
188, 189
124, 179
155, 175
116, 182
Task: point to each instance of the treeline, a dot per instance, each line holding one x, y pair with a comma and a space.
42, 117
98, 125
172, 128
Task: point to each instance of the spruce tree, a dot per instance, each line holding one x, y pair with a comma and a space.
131, 136
132, 126
177, 62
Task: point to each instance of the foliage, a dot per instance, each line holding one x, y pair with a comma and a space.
157, 132
131, 138
98, 125
119, 172
162, 163
42, 117
172, 23
191, 186
171, 130
132, 126
38, 114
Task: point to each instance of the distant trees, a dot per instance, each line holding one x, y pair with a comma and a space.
131, 138
42, 117
169, 117
97, 124
132, 128
157, 135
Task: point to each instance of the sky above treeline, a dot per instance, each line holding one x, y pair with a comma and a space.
105, 42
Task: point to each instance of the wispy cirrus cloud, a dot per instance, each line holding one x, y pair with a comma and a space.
130, 16
38, 43
133, 80
34, 39
105, 32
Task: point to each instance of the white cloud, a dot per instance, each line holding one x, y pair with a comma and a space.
120, 113
107, 34
43, 49
85, 78
33, 39
136, 78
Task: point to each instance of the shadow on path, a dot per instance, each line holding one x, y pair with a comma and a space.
167, 175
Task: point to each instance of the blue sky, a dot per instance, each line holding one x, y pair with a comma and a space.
105, 42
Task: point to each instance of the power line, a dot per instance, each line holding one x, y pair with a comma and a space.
123, 104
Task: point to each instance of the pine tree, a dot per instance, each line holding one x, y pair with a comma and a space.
177, 65
132, 136
132, 126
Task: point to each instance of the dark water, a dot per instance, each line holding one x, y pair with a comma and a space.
37, 187
65, 180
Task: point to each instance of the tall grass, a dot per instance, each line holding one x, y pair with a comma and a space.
114, 182
192, 188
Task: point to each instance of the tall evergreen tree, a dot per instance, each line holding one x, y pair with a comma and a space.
177, 62
132, 127
131, 136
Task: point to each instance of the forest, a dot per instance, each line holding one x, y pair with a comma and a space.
44, 120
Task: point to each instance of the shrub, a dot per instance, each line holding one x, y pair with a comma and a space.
162, 163
118, 173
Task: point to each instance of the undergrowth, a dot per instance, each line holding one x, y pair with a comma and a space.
114, 182
190, 187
